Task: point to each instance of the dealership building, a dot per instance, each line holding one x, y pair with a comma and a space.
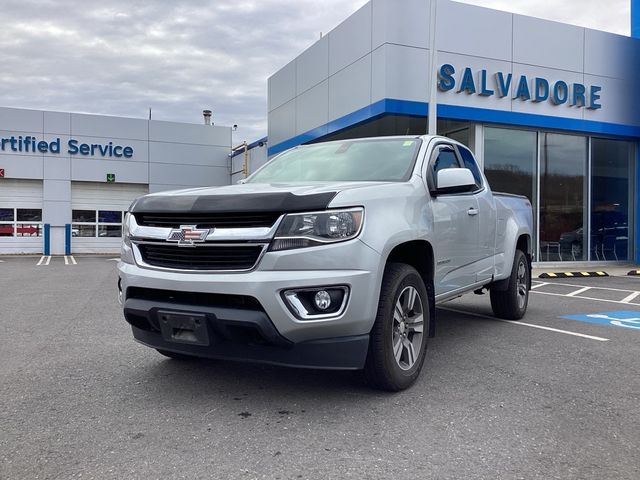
550, 109
66, 179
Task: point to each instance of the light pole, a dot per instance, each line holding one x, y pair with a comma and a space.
432, 113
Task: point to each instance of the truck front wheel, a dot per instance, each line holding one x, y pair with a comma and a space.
511, 303
398, 341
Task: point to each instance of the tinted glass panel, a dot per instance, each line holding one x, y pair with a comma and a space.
83, 216
470, 163
510, 161
109, 216
379, 127
510, 158
29, 215
610, 173
446, 159
6, 215
83, 230
109, 231
563, 209
26, 230
461, 136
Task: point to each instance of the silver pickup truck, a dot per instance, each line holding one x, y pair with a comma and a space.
332, 255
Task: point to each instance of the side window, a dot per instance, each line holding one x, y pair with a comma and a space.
470, 163
446, 159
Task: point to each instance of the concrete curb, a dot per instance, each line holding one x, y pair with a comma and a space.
572, 274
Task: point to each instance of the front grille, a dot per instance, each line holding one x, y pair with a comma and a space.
227, 257
208, 220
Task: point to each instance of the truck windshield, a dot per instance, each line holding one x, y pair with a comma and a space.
365, 160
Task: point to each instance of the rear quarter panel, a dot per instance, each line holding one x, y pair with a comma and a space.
514, 218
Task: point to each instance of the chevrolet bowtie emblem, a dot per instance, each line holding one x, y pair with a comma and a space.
187, 235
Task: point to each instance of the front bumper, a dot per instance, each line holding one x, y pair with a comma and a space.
344, 353
282, 338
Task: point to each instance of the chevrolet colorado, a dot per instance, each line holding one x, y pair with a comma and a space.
332, 255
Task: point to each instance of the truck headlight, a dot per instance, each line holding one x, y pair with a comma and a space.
126, 251
126, 232
299, 230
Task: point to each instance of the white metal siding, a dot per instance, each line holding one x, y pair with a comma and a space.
105, 196
102, 196
15, 193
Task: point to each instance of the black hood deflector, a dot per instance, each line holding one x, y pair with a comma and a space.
246, 202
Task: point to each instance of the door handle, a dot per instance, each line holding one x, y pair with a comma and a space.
472, 211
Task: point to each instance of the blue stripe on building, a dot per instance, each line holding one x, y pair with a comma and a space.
456, 112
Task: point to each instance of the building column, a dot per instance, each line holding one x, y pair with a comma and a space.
56, 201
635, 18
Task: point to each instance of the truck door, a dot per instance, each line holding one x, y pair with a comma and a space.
486, 218
456, 227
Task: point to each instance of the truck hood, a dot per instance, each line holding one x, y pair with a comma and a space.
248, 197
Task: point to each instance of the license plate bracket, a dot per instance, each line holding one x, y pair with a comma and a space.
184, 327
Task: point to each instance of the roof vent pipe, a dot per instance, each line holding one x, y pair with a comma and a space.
207, 117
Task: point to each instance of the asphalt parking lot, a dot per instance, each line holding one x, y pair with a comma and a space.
549, 398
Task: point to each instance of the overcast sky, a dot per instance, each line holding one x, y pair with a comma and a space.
120, 57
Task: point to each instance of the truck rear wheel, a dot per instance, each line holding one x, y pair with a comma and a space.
511, 303
398, 341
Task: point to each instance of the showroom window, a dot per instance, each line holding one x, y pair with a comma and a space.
563, 197
510, 158
20, 222
580, 187
510, 161
97, 223
611, 169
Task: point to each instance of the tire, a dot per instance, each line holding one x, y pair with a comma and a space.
176, 356
406, 327
511, 304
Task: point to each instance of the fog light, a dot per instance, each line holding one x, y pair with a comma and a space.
317, 302
323, 300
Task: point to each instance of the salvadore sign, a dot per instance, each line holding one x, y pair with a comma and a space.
525, 89
29, 144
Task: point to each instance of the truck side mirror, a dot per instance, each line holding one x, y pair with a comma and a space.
454, 180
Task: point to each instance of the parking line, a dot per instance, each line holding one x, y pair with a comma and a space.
66, 260
630, 297
44, 260
523, 324
586, 298
595, 287
73, 260
578, 292
537, 285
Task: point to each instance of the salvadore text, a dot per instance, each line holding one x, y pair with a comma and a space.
29, 144
523, 88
